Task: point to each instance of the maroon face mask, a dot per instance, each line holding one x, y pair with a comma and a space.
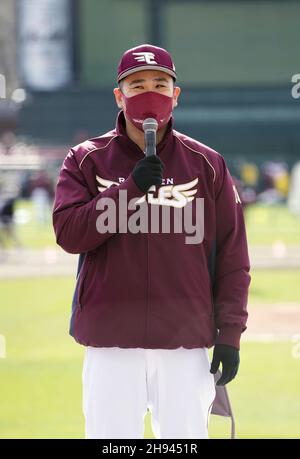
148, 104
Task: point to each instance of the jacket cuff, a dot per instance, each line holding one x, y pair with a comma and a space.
230, 336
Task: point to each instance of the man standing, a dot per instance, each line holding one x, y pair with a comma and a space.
148, 304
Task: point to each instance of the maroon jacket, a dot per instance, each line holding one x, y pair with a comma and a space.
152, 290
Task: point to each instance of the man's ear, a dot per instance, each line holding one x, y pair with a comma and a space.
176, 94
118, 97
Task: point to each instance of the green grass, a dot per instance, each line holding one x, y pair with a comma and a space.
275, 286
265, 225
265, 394
268, 224
40, 393
41, 375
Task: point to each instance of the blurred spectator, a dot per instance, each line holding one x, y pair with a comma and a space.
7, 141
276, 182
7, 223
250, 175
294, 192
248, 185
42, 194
282, 183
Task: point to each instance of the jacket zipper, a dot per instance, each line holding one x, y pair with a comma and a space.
148, 278
148, 290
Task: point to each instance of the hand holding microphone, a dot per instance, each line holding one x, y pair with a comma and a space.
148, 171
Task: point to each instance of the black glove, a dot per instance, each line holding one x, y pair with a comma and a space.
230, 358
147, 172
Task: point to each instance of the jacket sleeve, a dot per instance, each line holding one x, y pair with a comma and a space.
74, 211
232, 278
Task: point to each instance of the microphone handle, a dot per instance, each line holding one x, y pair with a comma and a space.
150, 143
150, 149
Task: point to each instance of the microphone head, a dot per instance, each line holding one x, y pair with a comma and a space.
150, 124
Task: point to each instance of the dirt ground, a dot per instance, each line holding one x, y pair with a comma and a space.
272, 322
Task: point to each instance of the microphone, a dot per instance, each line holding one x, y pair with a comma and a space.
150, 127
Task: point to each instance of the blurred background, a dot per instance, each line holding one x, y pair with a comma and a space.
238, 67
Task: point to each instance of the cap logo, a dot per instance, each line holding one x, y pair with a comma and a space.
145, 57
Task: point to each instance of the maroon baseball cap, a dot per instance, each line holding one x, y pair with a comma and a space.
145, 57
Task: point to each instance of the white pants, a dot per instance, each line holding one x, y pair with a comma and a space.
120, 384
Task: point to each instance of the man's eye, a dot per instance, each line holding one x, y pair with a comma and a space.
160, 86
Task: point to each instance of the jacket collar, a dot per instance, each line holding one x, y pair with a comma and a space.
121, 131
